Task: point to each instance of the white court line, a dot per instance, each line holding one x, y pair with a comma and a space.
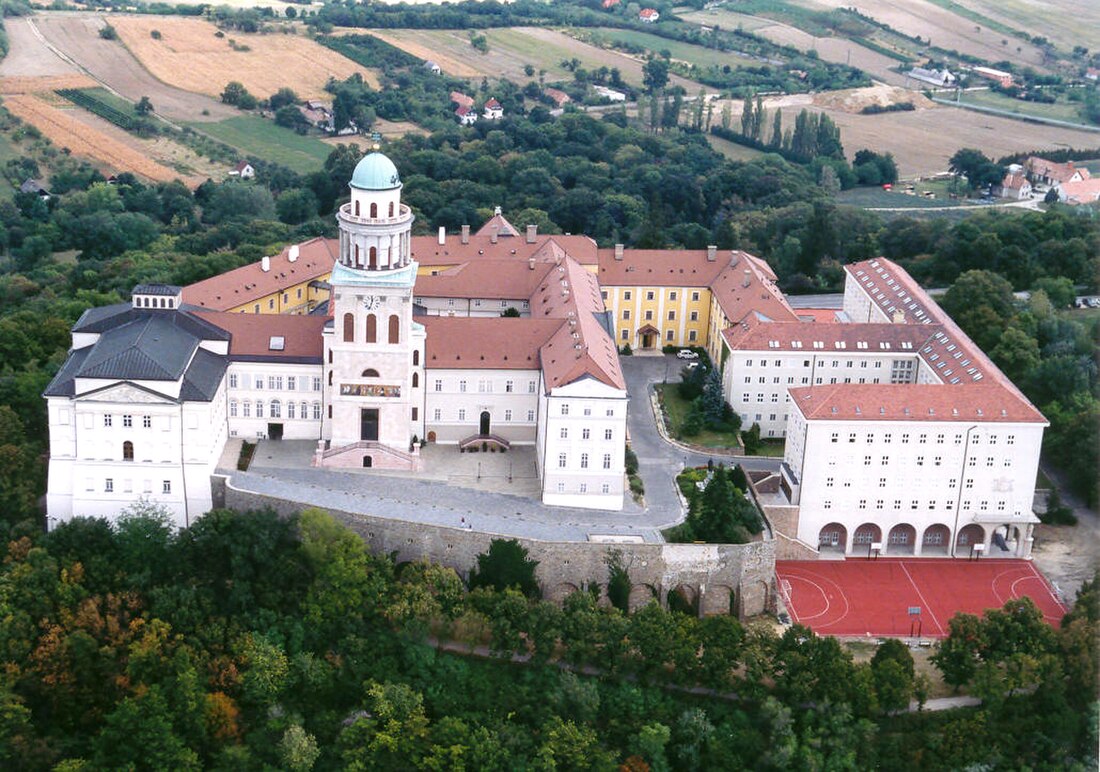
839, 591
921, 596
1043, 580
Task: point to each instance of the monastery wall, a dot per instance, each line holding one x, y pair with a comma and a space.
721, 578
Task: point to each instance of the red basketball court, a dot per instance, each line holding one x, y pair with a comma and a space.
875, 597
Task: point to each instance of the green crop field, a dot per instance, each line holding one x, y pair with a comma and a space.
257, 136
685, 52
115, 101
877, 198
1059, 111
732, 150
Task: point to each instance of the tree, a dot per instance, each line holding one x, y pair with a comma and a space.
618, 581
281, 98
776, 140
957, 656
298, 749
506, 565
144, 106
892, 670
296, 206
1016, 353
982, 303
746, 116
236, 94
655, 74
976, 167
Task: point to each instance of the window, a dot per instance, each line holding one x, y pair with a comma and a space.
416, 380
584, 460
246, 409
416, 414
259, 408
882, 482
584, 488
276, 409
395, 329
626, 295
607, 434
232, 408
232, 380
920, 460
316, 383
672, 295
672, 316
561, 460
564, 433
866, 460
626, 314
109, 485
691, 336
437, 414
585, 433
303, 410
695, 296
834, 437
260, 379
416, 358
439, 384
507, 415
565, 408
275, 382
606, 460
625, 335
127, 451
922, 439
462, 385
484, 386
291, 383
349, 327
509, 387
107, 419
649, 295
316, 411
372, 328
828, 482
605, 488
649, 316
461, 414
166, 486
530, 415
290, 411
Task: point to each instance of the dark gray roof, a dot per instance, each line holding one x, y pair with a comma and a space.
107, 318
62, 383
149, 348
96, 319
157, 289
201, 381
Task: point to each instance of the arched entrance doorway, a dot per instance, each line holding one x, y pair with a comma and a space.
485, 421
902, 540
968, 537
866, 535
936, 540
833, 538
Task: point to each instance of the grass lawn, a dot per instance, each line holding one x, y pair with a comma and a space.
771, 448
685, 52
734, 151
874, 198
1059, 111
677, 408
262, 138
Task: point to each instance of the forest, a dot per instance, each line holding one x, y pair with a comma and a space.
251, 641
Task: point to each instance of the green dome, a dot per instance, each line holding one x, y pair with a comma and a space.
375, 172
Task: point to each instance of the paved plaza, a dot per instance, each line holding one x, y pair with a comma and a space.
491, 492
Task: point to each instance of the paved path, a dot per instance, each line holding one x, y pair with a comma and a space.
434, 502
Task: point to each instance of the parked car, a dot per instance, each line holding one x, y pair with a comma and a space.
686, 353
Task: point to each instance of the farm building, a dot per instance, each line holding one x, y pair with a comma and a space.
493, 110
1043, 172
1015, 186
935, 77
244, 170
560, 97
610, 94
1085, 191
649, 15
462, 100
1000, 77
433, 68
467, 116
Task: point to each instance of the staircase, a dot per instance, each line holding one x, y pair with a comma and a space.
486, 442
382, 456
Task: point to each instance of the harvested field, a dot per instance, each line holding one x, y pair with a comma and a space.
66, 131
422, 44
30, 85
830, 49
943, 28
28, 54
1067, 23
190, 57
108, 61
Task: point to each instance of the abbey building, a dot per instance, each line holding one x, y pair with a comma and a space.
899, 431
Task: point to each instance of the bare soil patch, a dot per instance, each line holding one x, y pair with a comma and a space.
65, 131
854, 100
190, 56
109, 62
945, 29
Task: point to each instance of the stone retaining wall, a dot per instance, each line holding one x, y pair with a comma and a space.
717, 578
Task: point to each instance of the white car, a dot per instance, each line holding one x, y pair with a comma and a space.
686, 353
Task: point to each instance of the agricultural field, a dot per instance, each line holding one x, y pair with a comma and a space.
839, 50
257, 136
511, 49
111, 63
944, 28
876, 198
29, 57
66, 131
1067, 23
684, 52
190, 56
1059, 111
732, 150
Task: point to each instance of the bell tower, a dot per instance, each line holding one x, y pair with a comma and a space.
374, 351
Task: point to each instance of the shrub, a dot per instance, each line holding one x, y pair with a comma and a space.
107, 32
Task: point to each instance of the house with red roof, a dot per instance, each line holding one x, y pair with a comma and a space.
649, 15
493, 110
467, 116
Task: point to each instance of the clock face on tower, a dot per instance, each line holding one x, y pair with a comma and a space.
370, 302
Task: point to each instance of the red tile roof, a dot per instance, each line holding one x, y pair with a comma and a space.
481, 343
818, 315
746, 286
1059, 172
504, 279
1014, 181
659, 268
559, 97
252, 335
1083, 192
250, 282
498, 224
461, 99
427, 250
754, 335
975, 403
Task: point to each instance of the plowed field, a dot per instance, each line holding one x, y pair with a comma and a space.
66, 131
191, 57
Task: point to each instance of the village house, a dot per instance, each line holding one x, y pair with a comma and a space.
467, 116
935, 77
493, 110
1000, 77
649, 15
244, 170
1086, 191
1043, 172
461, 100
433, 68
1014, 185
560, 97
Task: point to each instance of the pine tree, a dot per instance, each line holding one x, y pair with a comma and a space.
713, 403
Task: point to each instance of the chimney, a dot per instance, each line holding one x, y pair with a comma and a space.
899, 316
493, 235
530, 264
532, 232
442, 235
733, 259
712, 253
748, 278
265, 264
292, 254
465, 234
618, 251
